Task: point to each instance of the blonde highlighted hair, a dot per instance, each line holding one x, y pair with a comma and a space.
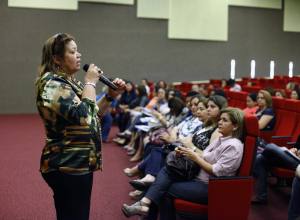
236, 117
267, 97
55, 46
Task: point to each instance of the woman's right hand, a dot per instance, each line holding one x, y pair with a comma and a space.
93, 73
187, 152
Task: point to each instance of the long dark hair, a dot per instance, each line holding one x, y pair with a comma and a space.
221, 102
141, 90
176, 106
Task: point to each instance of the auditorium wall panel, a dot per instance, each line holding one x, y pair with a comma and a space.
134, 48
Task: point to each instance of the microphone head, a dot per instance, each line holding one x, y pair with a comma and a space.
85, 67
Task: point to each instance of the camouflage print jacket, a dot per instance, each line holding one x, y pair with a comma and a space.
73, 136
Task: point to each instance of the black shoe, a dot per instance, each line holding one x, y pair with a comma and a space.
140, 185
257, 201
134, 209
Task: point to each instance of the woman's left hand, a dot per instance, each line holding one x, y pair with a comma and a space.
121, 86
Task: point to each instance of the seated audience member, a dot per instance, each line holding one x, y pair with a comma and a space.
173, 93
266, 122
107, 119
271, 90
295, 94
188, 98
140, 101
294, 211
203, 90
265, 113
195, 88
142, 98
186, 127
272, 156
161, 84
173, 118
219, 92
157, 103
280, 93
146, 84
233, 86
126, 98
221, 158
290, 86
251, 104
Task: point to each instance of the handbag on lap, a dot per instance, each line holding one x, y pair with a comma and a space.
181, 167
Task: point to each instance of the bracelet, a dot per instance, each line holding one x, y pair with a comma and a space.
194, 149
90, 84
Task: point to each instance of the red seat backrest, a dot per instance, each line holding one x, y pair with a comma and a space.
286, 116
252, 88
237, 99
251, 133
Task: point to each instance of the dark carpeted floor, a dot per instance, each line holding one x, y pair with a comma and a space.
24, 195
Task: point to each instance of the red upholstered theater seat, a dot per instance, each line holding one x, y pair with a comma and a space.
237, 99
217, 83
293, 106
228, 197
252, 88
288, 122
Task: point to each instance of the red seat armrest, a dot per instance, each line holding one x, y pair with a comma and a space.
280, 140
266, 135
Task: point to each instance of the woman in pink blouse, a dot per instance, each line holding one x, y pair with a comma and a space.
221, 158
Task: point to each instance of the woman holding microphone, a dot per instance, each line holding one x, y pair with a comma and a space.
70, 115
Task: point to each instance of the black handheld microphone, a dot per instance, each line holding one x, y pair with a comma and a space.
102, 78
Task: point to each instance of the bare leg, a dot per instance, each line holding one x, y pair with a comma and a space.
139, 153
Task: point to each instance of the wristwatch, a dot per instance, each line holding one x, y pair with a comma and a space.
109, 98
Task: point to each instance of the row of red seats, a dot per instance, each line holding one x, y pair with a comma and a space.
287, 113
279, 82
248, 85
287, 127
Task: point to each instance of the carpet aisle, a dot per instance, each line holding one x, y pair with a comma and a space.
25, 196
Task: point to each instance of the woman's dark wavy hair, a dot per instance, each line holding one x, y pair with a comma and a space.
176, 105
221, 102
142, 90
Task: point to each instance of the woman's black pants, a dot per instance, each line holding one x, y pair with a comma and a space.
71, 193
